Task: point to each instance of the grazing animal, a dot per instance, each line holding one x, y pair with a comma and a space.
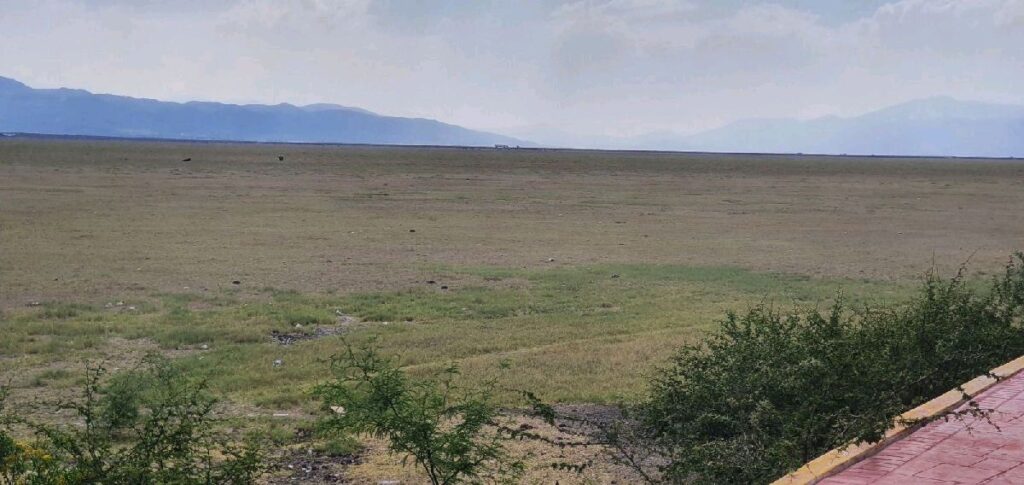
186, 159
280, 158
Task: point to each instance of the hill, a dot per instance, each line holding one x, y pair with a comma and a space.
939, 126
79, 112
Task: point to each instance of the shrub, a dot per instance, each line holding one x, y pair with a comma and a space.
771, 391
152, 426
452, 433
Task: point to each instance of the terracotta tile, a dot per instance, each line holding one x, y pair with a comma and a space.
958, 474
955, 451
853, 477
905, 480
954, 457
996, 464
1016, 473
915, 466
1001, 480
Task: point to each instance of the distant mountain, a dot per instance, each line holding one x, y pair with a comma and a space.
77, 112
928, 127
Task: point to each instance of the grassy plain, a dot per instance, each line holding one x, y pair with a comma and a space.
582, 270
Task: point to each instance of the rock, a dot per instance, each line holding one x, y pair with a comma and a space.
551, 260
278, 362
131, 308
338, 410
186, 159
204, 347
388, 482
431, 282
280, 158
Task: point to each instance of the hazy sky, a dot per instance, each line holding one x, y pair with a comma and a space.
600, 67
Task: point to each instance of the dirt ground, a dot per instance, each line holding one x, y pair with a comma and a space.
92, 219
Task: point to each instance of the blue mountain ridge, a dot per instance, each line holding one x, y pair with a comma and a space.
77, 112
939, 126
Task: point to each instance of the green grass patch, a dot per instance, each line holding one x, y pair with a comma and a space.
573, 334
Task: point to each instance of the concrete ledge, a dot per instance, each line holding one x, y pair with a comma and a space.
838, 460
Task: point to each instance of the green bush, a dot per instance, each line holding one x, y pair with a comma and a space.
771, 391
151, 426
453, 434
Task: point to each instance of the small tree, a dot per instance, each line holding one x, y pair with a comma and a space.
152, 426
451, 432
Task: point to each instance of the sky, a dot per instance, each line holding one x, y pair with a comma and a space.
540, 69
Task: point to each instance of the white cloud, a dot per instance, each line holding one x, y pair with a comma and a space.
587, 66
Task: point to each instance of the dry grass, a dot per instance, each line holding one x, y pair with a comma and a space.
86, 220
582, 269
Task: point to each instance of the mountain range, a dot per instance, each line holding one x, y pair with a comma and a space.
938, 126
77, 112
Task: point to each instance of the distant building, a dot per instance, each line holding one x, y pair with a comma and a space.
504, 147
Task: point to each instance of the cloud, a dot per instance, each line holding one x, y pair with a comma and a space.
603, 67
625, 10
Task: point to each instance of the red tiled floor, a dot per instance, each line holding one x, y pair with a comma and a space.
955, 451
